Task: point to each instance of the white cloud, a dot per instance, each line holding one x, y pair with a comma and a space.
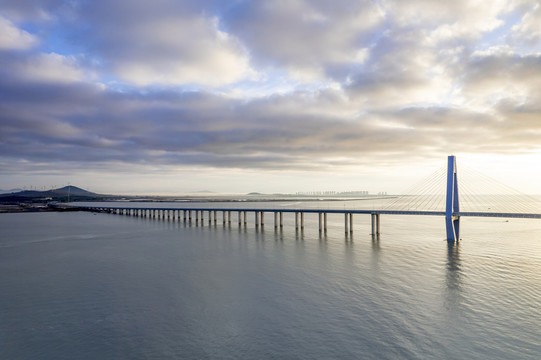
313, 40
51, 67
13, 38
175, 50
528, 31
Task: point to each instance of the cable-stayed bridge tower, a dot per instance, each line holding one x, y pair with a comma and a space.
452, 219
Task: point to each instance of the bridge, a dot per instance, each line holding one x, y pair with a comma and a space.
451, 211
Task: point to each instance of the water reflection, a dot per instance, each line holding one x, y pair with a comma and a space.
453, 279
375, 253
375, 242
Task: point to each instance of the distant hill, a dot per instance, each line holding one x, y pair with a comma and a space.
9, 191
73, 190
66, 193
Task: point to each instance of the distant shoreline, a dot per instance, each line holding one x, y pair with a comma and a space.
30, 208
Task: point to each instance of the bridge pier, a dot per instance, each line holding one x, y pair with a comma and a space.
348, 221
375, 223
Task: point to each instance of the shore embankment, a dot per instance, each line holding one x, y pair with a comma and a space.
31, 207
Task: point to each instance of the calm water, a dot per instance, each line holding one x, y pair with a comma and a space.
84, 286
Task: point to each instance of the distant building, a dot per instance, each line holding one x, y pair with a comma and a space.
333, 193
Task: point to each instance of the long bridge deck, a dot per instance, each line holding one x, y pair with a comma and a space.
199, 214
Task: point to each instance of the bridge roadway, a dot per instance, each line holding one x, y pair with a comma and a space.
278, 214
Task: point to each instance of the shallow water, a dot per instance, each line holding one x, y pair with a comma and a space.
87, 286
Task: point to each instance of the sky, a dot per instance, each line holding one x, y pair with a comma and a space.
175, 96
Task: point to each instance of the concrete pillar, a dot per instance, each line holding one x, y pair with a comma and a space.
281, 219
245, 218
275, 220
240, 218
346, 217
256, 219
375, 224
262, 214
350, 222
229, 218
223, 216
319, 222
302, 220
215, 216
296, 221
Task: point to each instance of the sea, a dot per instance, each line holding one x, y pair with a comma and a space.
82, 285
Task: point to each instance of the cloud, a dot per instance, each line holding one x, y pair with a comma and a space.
164, 42
442, 16
50, 68
255, 86
313, 40
177, 51
528, 30
13, 38
494, 77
